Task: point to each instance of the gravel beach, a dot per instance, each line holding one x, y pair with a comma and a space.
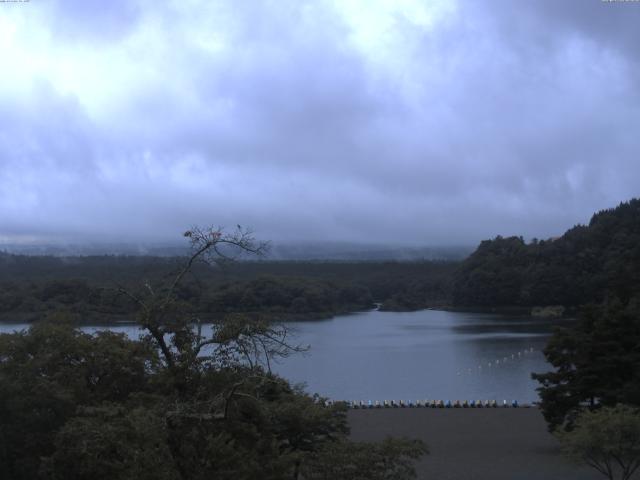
474, 444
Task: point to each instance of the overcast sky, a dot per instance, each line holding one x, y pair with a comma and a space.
391, 121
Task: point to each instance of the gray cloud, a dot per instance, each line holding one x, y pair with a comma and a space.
90, 20
310, 121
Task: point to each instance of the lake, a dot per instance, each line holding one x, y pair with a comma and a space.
428, 354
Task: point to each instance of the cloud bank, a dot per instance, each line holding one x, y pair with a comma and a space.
404, 122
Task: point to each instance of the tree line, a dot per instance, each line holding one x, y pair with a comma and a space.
587, 264
32, 286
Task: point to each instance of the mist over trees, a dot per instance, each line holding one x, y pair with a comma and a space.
586, 264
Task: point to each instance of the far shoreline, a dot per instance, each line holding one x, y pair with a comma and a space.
22, 318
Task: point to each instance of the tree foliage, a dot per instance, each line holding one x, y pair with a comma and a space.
586, 264
51, 370
597, 362
180, 403
32, 286
607, 439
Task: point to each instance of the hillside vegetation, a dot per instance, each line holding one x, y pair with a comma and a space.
88, 286
585, 265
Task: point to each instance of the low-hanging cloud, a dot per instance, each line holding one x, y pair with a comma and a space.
398, 122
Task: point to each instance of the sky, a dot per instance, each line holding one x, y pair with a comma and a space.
410, 122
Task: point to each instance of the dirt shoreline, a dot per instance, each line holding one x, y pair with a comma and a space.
474, 444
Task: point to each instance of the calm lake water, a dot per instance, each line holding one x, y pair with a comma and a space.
415, 355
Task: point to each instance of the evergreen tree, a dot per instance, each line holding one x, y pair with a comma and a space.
597, 363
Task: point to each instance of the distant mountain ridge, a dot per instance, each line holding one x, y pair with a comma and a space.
586, 264
331, 251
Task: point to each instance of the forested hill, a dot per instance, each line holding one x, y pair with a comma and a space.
586, 264
32, 286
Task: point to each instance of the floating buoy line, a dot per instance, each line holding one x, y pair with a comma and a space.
433, 403
498, 362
